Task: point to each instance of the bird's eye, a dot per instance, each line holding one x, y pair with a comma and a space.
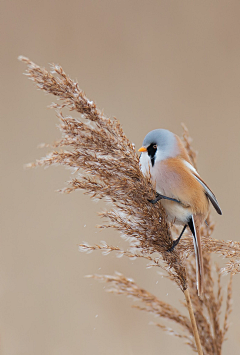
155, 146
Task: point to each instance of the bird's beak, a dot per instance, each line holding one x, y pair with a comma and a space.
142, 149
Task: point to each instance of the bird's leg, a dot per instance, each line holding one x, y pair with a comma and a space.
176, 241
162, 197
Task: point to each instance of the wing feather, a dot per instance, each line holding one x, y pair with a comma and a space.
209, 194
208, 191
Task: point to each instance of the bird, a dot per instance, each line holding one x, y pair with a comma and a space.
183, 193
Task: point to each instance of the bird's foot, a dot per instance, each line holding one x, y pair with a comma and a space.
176, 241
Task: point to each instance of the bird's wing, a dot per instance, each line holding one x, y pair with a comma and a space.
209, 193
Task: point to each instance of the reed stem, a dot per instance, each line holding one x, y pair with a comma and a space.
193, 321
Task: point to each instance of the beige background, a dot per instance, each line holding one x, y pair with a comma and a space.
151, 64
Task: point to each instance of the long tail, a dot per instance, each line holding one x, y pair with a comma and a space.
198, 253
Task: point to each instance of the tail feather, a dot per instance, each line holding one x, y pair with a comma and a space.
198, 253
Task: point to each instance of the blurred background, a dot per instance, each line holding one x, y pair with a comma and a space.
152, 64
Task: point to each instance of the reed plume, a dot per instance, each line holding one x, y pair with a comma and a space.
107, 167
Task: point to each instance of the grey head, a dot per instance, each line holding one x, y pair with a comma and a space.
160, 144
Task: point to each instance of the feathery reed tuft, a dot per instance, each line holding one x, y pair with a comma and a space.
108, 168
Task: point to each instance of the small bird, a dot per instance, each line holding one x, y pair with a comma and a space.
185, 196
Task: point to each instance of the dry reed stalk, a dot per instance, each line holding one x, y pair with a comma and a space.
193, 321
107, 167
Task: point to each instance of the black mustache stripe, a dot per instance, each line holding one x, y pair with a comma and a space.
152, 152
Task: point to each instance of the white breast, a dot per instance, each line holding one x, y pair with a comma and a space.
145, 163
